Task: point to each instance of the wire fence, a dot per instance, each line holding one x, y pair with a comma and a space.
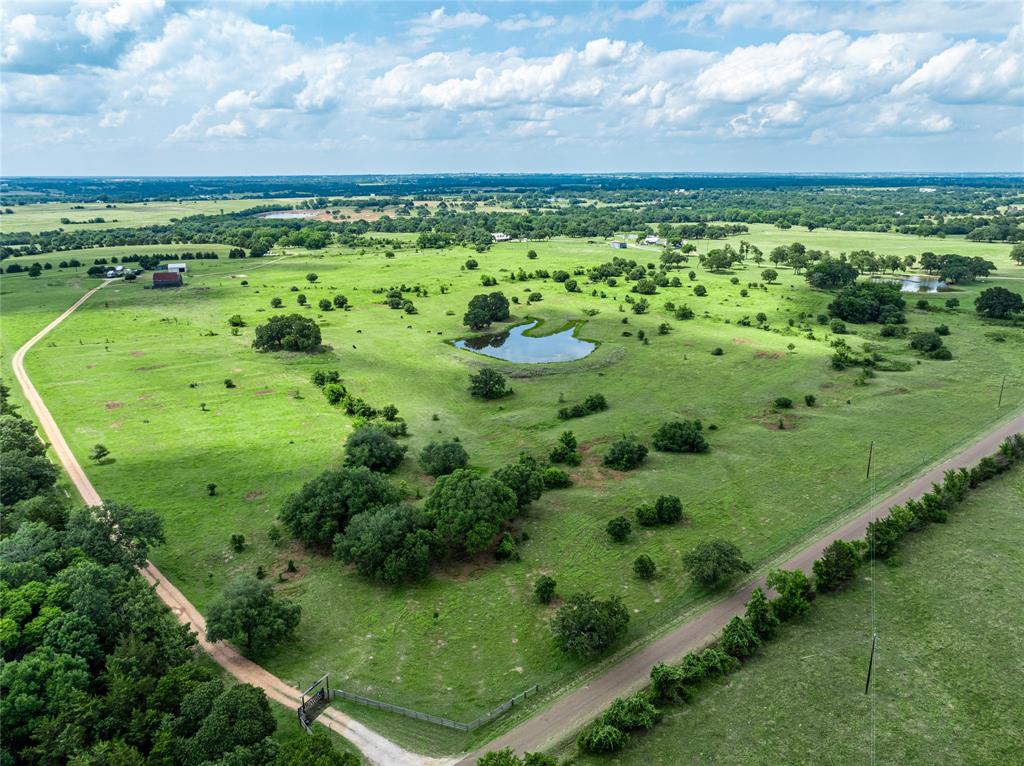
439, 720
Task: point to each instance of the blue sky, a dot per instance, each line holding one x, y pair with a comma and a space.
118, 87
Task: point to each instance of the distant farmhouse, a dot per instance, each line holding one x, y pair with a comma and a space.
181, 268
167, 279
652, 239
618, 244
500, 236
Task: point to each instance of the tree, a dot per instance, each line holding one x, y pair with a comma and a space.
618, 529
867, 302
998, 303
631, 713
275, 303
769, 275
239, 719
249, 611
925, 342
98, 452
388, 544
586, 626
340, 301
440, 458
484, 309
524, 478
468, 510
114, 533
644, 567
544, 589
211, 489
738, 639
837, 566
315, 749
680, 436
372, 447
1017, 253
760, 615
488, 384
325, 504
795, 592
325, 305
311, 277
714, 563
830, 273
669, 509
288, 333
625, 454
601, 738
26, 471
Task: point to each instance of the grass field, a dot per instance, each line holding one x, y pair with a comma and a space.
947, 674
119, 372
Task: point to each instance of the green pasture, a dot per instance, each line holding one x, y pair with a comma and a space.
121, 371
947, 669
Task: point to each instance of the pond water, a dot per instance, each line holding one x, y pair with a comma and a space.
290, 214
914, 283
513, 346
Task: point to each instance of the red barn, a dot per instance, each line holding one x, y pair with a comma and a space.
167, 279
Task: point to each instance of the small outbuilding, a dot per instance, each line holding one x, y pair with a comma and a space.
167, 279
618, 245
181, 268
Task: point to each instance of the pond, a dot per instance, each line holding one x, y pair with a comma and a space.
290, 214
914, 283
513, 346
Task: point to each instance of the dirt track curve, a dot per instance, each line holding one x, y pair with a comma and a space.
374, 747
579, 707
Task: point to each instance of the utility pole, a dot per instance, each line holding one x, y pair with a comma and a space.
1001, 387
871, 662
871, 454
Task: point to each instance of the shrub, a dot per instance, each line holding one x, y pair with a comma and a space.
738, 639
471, 264
684, 312
391, 544
507, 549
644, 567
625, 454
837, 566
488, 384
714, 563
590, 405
275, 303
325, 305
669, 509
440, 458
631, 713
311, 277
340, 301
810, 400
619, 529
566, 450
782, 403
769, 275
585, 626
942, 330
288, 333
700, 291
371, 447
717, 351
680, 436
601, 738
235, 320
238, 543
668, 683
544, 589
556, 478
925, 342
838, 327
646, 515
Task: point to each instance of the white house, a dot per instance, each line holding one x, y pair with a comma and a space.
652, 239
500, 236
180, 268
618, 244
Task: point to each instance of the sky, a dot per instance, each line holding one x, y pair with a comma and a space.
236, 87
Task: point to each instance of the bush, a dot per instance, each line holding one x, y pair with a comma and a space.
942, 330
440, 458
644, 567
288, 333
556, 478
391, 544
488, 384
619, 529
717, 351
566, 450
795, 592
810, 400
625, 454
683, 312
760, 616
601, 738
585, 626
836, 567
544, 589
680, 436
738, 639
669, 509
925, 342
714, 563
700, 291
838, 327
646, 515
238, 543
590, 405
325, 305
782, 403
371, 447
235, 320
340, 301
631, 713
507, 549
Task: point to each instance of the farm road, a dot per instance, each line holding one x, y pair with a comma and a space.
374, 747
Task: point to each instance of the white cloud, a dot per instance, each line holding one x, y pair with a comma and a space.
430, 25
521, 21
101, 20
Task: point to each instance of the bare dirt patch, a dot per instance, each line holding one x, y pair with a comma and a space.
137, 353
114, 405
150, 368
253, 494
771, 422
767, 355
264, 391
742, 341
898, 391
463, 569
90, 366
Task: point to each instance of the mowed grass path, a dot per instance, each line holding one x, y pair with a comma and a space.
947, 671
119, 372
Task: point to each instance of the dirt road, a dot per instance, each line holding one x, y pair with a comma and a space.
375, 748
582, 705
